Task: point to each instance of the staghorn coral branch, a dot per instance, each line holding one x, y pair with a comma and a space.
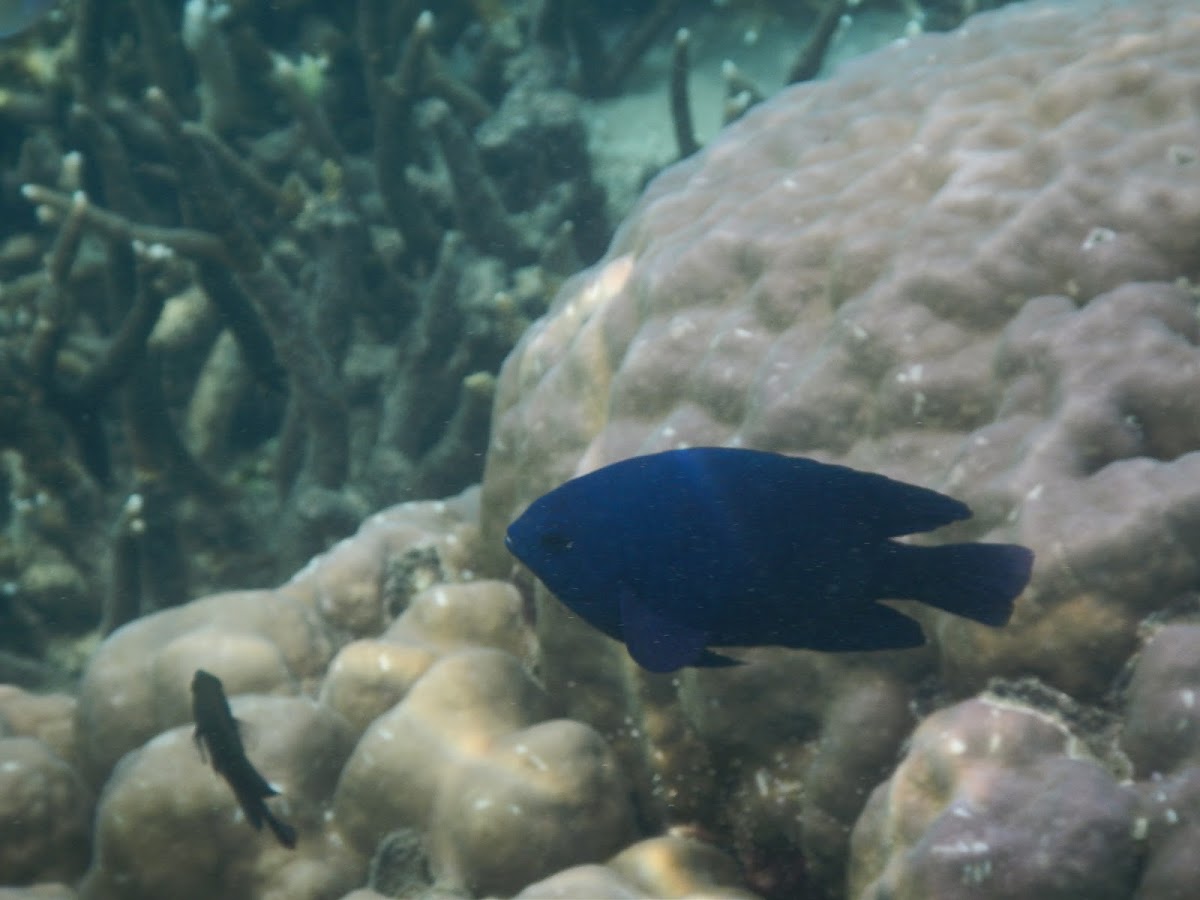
480, 211
162, 50
394, 138
436, 473
681, 105
808, 63
108, 152
188, 242
202, 189
259, 190
25, 107
311, 373
78, 403
631, 50
306, 109
291, 331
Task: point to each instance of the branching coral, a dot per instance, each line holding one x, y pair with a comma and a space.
306, 185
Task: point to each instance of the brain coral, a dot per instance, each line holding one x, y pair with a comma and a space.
967, 261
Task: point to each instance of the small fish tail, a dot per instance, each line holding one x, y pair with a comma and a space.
977, 581
284, 833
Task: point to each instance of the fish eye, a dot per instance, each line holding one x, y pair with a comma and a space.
555, 541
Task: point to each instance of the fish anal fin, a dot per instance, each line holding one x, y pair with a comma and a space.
657, 642
871, 627
709, 659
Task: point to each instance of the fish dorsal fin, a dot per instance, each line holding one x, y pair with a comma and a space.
657, 642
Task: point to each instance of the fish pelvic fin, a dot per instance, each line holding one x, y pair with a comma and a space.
977, 581
656, 641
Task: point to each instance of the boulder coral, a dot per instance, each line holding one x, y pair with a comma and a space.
503, 795
168, 826
44, 823
46, 806
1010, 800
955, 262
994, 799
1162, 738
967, 261
671, 866
266, 641
430, 757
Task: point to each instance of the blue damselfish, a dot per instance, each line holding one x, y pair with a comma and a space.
677, 552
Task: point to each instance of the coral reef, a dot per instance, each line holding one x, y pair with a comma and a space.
45, 816
286, 251
433, 728
261, 264
1005, 796
158, 798
993, 798
968, 261
974, 272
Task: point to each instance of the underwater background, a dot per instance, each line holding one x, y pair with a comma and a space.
302, 302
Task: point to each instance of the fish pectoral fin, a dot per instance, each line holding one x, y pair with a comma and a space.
657, 642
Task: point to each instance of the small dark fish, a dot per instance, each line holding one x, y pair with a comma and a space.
217, 730
678, 551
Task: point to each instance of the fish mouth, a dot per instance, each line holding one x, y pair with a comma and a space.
511, 546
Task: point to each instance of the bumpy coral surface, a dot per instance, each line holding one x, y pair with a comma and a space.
1002, 800
951, 263
45, 806
167, 824
670, 866
968, 262
268, 641
430, 759
1162, 738
993, 799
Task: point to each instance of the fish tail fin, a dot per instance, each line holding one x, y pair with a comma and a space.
284, 833
978, 581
